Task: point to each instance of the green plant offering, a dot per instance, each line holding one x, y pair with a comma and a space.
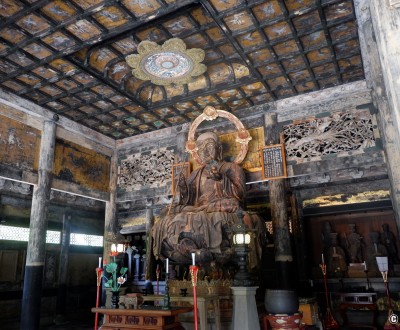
113, 281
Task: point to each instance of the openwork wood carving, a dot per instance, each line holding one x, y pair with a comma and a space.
133, 320
115, 319
152, 170
341, 132
149, 320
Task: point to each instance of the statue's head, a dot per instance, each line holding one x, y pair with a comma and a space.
352, 228
375, 236
210, 149
334, 239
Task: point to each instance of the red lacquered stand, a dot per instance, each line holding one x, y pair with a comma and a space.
392, 322
193, 272
99, 273
329, 322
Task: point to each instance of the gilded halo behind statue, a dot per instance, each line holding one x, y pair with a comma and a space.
210, 113
209, 200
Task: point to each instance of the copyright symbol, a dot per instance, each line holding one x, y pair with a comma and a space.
393, 319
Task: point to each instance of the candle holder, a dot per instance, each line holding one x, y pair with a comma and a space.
369, 288
392, 320
99, 273
166, 300
193, 272
329, 321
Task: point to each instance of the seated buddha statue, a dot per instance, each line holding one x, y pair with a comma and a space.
208, 204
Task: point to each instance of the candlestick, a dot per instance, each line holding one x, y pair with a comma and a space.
329, 322
99, 273
166, 299
366, 275
193, 259
167, 266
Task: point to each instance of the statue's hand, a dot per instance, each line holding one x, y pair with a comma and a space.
214, 174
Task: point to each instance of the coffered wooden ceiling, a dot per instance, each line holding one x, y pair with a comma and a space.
69, 56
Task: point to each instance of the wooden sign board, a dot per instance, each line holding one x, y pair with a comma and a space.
273, 162
177, 169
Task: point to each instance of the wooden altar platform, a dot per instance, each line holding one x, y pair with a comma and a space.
146, 318
203, 303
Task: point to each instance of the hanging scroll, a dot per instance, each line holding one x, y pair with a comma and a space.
177, 169
273, 162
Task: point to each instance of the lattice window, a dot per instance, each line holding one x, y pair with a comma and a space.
53, 237
11, 233
84, 239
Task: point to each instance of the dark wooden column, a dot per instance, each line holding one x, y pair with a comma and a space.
379, 29
279, 212
62, 269
299, 237
35, 259
110, 227
149, 251
111, 234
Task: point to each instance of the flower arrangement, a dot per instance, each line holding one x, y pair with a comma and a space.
113, 281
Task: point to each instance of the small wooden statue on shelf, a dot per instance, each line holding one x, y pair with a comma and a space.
354, 243
337, 264
326, 237
389, 240
374, 249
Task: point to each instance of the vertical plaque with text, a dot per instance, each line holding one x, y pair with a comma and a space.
273, 162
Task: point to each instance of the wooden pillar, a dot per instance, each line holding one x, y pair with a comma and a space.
299, 240
110, 221
63, 269
149, 243
279, 212
111, 234
36, 252
379, 30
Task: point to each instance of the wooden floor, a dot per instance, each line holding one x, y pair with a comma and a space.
83, 321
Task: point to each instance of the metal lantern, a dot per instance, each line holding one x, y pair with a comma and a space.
241, 242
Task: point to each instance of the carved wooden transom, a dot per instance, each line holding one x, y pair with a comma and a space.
341, 132
140, 170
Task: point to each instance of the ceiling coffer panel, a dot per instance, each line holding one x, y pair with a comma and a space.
70, 56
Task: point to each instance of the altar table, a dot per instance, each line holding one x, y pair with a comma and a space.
202, 305
364, 302
145, 318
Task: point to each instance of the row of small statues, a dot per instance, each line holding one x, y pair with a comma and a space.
350, 248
